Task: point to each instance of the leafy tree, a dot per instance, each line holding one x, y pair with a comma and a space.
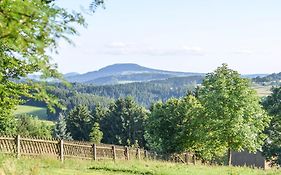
79, 123
233, 117
172, 126
28, 29
124, 123
95, 3
96, 134
60, 130
29, 126
272, 147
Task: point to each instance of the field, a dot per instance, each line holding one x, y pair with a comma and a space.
50, 166
40, 113
32, 110
263, 91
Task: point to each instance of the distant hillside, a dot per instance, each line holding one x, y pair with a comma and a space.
253, 75
144, 93
70, 74
127, 73
121, 79
273, 79
123, 73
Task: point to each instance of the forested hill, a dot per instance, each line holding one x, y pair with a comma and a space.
144, 93
125, 73
272, 79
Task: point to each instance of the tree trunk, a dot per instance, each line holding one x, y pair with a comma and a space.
229, 157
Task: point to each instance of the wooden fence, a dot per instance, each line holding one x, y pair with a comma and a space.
64, 149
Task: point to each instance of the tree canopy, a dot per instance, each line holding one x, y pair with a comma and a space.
28, 30
222, 115
79, 123
233, 117
60, 130
272, 147
124, 123
172, 125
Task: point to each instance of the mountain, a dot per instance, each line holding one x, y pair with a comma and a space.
129, 73
124, 73
70, 74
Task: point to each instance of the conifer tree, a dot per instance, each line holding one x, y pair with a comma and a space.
96, 134
79, 123
60, 131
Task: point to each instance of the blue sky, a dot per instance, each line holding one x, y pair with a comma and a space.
178, 35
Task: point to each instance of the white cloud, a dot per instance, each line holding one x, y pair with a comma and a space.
117, 45
193, 50
243, 52
121, 48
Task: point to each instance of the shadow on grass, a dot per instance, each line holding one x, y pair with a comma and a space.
122, 170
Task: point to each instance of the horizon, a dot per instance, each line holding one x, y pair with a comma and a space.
156, 69
189, 36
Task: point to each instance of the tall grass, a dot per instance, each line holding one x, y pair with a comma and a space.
51, 166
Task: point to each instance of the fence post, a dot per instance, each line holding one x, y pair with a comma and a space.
194, 159
61, 150
186, 158
138, 154
18, 146
176, 159
127, 153
145, 154
95, 151
154, 156
114, 153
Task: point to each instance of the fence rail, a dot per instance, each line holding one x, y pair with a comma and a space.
63, 149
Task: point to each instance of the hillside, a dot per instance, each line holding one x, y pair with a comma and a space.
130, 73
272, 79
120, 73
144, 93
129, 78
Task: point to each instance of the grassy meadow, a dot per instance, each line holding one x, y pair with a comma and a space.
39, 112
51, 166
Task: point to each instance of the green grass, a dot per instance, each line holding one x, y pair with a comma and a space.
50, 166
41, 113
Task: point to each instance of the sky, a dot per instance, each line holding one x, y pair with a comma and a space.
176, 35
